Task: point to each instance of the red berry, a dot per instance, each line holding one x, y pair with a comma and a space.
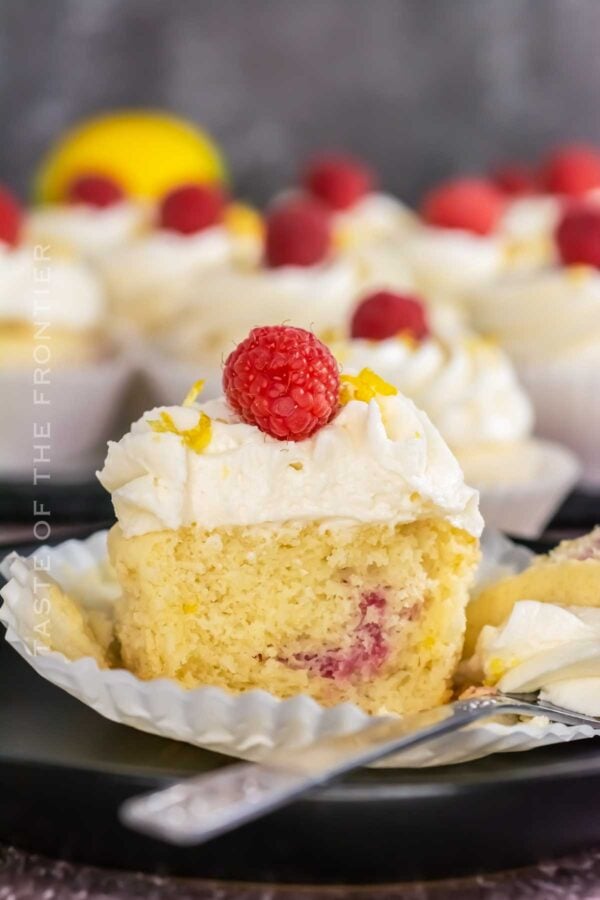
385, 314
11, 218
192, 208
284, 380
515, 179
473, 204
95, 190
578, 236
297, 234
338, 180
572, 170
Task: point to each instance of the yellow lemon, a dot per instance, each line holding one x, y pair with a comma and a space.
147, 152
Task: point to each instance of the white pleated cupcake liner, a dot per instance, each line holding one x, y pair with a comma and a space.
62, 426
566, 398
247, 725
524, 509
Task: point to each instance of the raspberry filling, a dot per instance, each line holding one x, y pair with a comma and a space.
365, 655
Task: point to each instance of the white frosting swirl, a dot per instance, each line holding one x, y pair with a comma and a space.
86, 229
223, 305
56, 290
147, 279
543, 646
554, 313
468, 387
375, 217
528, 227
449, 260
381, 461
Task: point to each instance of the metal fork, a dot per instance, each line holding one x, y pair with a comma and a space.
198, 809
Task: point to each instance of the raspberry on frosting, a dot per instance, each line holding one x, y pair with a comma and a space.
515, 179
338, 180
11, 218
578, 235
284, 380
95, 190
191, 208
472, 204
297, 234
572, 170
386, 314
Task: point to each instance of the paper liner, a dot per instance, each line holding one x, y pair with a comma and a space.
524, 509
82, 406
566, 398
247, 725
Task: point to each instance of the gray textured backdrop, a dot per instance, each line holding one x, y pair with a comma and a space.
422, 87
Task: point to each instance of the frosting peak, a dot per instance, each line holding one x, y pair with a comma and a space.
381, 461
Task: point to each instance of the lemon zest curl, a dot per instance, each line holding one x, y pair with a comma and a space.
365, 386
197, 438
194, 391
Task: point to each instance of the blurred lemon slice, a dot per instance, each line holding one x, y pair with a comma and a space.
148, 153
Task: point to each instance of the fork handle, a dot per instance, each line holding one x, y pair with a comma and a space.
200, 808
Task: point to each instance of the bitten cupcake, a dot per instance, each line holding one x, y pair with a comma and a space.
293, 538
468, 387
550, 324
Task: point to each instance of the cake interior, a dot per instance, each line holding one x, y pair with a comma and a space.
372, 614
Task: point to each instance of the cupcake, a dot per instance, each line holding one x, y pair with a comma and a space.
366, 223
568, 576
61, 378
468, 387
546, 647
539, 630
42, 291
549, 322
300, 280
537, 197
456, 246
94, 218
292, 538
196, 229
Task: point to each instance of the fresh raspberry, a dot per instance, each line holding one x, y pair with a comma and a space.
578, 235
515, 179
95, 190
572, 170
192, 208
11, 218
385, 314
297, 234
338, 180
473, 204
284, 380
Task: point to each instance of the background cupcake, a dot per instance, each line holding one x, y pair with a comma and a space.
61, 378
300, 280
468, 387
148, 279
550, 324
